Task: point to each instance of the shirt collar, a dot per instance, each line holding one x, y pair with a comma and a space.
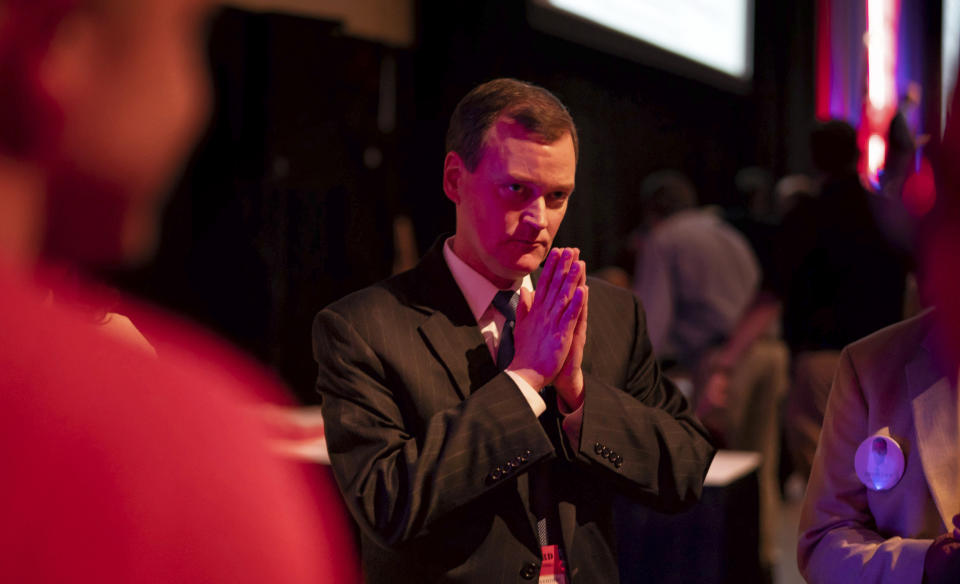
477, 290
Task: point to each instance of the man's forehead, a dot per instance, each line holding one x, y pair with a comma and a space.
518, 151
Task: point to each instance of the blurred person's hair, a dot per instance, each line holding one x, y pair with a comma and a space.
833, 147
666, 192
791, 189
754, 186
537, 110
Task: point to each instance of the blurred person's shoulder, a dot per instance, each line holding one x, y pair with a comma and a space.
412, 292
895, 344
131, 466
613, 306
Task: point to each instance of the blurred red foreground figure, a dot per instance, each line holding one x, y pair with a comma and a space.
121, 466
942, 243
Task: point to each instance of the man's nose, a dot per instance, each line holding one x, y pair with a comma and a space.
535, 215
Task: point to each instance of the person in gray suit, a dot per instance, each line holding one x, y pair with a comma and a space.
883, 499
479, 428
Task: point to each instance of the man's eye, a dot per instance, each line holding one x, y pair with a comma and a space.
558, 196
515, 188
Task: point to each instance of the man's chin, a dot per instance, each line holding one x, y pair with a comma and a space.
527, 264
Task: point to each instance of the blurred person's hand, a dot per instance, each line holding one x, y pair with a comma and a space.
296, 432
714, 377
942, 562
716, 391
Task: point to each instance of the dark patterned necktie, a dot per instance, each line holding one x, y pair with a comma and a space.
506, 302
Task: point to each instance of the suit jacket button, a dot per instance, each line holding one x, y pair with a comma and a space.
598, 448
618, 462
527, 452
513, 464
529, 571
605, 452
495, 476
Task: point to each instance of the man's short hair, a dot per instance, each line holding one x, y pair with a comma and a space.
666, 192
531, 106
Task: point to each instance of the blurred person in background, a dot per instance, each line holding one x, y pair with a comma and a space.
790, 190
901, 155
697, 276
892, 514
839, 278
754, 214
695, 273
883, 498
118, 466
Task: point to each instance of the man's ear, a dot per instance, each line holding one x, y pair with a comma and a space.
453, 173
70, 67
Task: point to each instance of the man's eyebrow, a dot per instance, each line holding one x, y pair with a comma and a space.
520, 178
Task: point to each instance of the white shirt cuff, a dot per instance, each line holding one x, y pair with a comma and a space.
533, 398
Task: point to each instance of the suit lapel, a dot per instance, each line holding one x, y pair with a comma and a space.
461, 350
935, 419
450, 330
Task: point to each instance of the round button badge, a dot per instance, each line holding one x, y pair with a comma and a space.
879, 463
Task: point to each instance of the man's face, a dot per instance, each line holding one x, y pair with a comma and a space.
134, 106
510, 207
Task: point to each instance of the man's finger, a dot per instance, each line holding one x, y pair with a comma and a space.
558, 281
580, 331
571, 313
576, 275
568, 287
546, 276
582, 323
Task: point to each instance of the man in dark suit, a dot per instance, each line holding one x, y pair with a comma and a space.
475, 444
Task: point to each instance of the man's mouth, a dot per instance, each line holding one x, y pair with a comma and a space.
530, 242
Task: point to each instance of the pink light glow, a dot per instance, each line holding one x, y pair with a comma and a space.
876, 151
881, 104
881, 47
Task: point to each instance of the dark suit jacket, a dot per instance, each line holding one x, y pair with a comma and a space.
431, 444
